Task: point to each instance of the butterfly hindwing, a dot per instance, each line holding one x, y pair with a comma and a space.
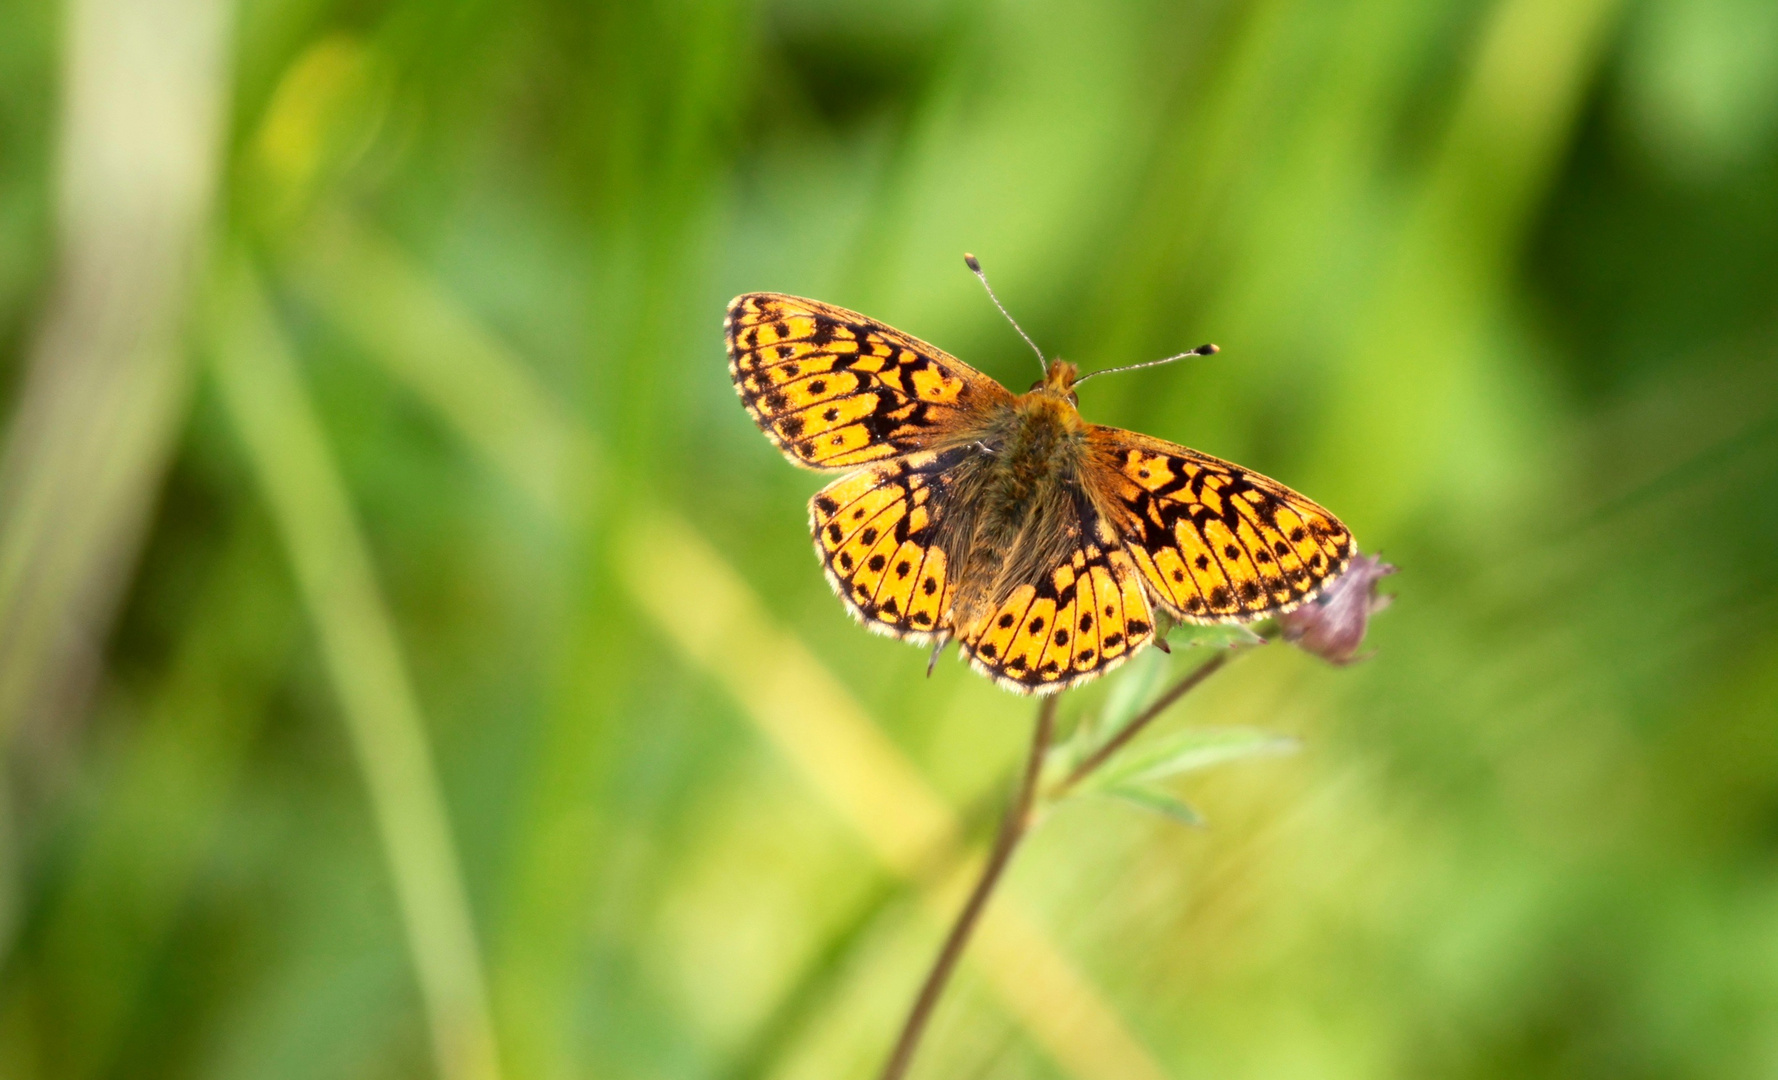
833, 389
1083, 615
1214, 542
875, 530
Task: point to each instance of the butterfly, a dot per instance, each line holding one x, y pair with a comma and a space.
1041, 543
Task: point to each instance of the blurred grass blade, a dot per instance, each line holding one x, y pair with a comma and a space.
264, 397
441, 353
165, 793
144, 94
704, 607
1065, 1013
1419, 378
435, 348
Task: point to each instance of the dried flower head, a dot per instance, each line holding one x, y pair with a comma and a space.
1332, 625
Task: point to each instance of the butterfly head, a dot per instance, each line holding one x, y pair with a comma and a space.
1058, 378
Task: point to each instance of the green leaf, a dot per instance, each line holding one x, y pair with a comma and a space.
1186, 751
1129, 691
1226, 635
1161, 802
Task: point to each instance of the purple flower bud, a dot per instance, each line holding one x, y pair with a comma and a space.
1332, 625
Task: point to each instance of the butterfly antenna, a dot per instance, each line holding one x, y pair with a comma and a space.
975, 267
1201, 350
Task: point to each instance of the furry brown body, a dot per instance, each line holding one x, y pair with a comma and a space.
1021, 497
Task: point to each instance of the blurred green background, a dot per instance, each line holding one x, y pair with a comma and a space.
412, 662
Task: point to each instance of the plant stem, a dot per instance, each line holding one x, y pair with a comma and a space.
1012, 830
1129, 731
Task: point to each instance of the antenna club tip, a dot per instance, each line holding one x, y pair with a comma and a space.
1206, 350
972, 262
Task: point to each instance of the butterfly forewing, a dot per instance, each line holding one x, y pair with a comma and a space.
833, 389
1215, 542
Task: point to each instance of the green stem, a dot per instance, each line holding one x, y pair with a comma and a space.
1013, 829
1091, 762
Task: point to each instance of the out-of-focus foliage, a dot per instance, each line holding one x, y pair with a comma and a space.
462, 697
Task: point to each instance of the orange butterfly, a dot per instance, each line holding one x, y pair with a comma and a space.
1040, 542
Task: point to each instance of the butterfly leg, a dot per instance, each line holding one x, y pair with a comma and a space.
937, 648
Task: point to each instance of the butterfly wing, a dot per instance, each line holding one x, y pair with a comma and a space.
876, 531
879, 532
1080, 615
1214, 542
833, 389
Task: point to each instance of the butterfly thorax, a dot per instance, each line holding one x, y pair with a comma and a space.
1039, 440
